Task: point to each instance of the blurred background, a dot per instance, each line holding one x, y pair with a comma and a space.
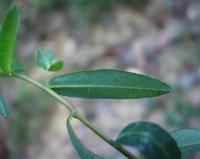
160, 38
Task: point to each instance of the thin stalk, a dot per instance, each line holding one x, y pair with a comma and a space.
77, 115
46, 77
47, 90
103, 136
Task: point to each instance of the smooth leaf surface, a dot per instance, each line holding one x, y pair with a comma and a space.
108, 84
188, 141
57, 66
3, 107
8, 36
150, 140
45, 58
83, 152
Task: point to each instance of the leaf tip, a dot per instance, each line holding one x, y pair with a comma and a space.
14, 9
169, 88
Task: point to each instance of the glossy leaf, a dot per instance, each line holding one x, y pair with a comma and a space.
57, 66
83, 152
8, 36
188, 141
45, 58
150, 140
3, 107
108, 84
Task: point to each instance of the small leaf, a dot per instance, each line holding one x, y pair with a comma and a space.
57, 66
108, 84
83, 152
8, 37
188, 141
152, 141
45, 58
3, 107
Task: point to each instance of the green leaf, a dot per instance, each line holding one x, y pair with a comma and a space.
57, 66
3, 107
188, 141
108, 84
83, 152
8, 37
45, 58
152, 141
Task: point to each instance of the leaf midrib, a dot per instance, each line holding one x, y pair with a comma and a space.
46, 61
105, 86
188, 145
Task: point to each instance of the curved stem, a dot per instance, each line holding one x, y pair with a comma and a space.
103, 136
77, 115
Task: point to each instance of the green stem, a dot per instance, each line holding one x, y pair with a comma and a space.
47, 90
103, 136
46, 77
77, 115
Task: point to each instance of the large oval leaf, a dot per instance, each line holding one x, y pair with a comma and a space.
83, 152
152, 141
8, 36
188, 141
108, 84
3, 107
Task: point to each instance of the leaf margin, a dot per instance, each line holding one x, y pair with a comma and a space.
77, 142
59, 88
3, 107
